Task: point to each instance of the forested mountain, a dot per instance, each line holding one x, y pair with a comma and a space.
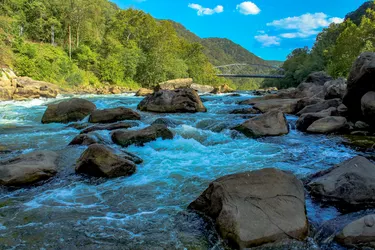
90, 42
335, 49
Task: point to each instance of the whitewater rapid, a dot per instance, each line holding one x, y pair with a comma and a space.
148, 209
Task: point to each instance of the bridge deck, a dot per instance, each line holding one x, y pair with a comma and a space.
249, 76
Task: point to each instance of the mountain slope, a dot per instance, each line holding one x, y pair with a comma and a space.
357, 15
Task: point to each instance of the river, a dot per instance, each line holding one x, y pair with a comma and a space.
148, 209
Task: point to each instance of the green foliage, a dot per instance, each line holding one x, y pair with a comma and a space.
334, 51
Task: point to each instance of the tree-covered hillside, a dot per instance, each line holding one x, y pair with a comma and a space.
90, 42
335, 49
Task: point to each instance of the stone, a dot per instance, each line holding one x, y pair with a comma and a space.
320, 106
175, 84
359, 232
360, 125
173, 101
254, 208
328, 125
307, 119
272, 123
287, 106
144, 92
85, 139
202, 88
349, 184
245, 111
166, 122
342, 110
114, 126
360, 82
223, 89
335, 89
304, 102
28, 88
313, 86
368, 107
66, 111
140, 137
113, 115
28, 169
101, 161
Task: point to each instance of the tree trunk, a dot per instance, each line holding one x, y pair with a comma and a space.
53, 35
78, 36
70, 43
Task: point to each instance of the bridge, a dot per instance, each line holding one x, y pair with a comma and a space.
245, 70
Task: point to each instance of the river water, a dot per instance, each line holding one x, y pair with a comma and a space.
148, 209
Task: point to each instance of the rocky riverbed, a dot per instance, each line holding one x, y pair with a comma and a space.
148, 206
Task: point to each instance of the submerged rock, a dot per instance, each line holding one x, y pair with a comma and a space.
245, 111
66, 111
173, 101
349, 184
113, 115
101, 161
272, 123
114, 126
328, 125
28, 169
255, 208
140, 137
166, 122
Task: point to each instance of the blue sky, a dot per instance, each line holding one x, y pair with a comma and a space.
270, 29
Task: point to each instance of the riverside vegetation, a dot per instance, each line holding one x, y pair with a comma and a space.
179, 167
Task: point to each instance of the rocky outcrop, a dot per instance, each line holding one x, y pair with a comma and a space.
327, 125
335, 89
349, 184
22, 88
175, 84
287, 106
144, 92
113, 115
202, 88
101, 161
358, 233
307, 119
28, 169
368, 107
173, 101
114, 126
320, 106
360, 81
66, 111
140, 137
223, 89
255, 208
272, 123
313, 86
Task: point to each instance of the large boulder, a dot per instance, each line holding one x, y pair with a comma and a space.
7, 84
304, 102
255, 208
144, 92
202, 88
360, 233
335, 89
350, 184
140, 137
173, 101
101, 161
287, 106
360, 81
272, 123
113, 115
114, 126
307, 119
66, 111
86, 139
327, 125
320, 106
175, 84
223, 89
28, 169
368, 107
313, 86
28, 88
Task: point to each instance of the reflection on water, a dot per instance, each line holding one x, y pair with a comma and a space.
148, 209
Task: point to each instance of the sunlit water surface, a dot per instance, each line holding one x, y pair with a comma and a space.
148, 209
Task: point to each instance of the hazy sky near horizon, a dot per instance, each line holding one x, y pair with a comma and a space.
270, 29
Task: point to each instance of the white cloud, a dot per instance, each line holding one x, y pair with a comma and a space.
305, 25
201, 11
267, 40
248, 8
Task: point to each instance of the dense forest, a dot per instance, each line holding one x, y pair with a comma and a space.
335, 49
92, 42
